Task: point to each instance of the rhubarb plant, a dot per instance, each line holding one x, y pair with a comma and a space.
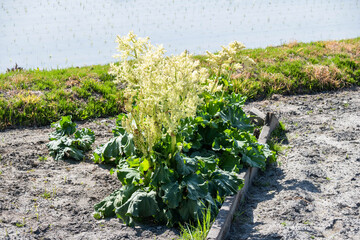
68, 143
179, 147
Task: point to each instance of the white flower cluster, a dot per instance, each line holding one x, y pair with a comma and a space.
159, 90
228, 61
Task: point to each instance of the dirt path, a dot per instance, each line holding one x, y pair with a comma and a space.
314, 192
44, 199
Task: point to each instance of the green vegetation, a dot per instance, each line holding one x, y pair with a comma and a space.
300, 68
198, 231
33, 97
68, 143
176, 164
37, 98
278, 140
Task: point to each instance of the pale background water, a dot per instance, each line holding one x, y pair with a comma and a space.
61, 33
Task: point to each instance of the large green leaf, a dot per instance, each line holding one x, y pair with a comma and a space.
128, 175
223, 183
161, 175
236, 118
229, 161
74, 153
140, 204
254, 160
196, 186
106, 208
190, 209
207, 159
63, 148
172, 194
63, 127
185, 165
84, 138
116, 148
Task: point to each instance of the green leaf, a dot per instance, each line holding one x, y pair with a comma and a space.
105, 208
116, 148
63, 148
223, 183
63, 127
189, 209
84, 138
74, 153
237, 119
140, 204
128, 175
185, 165
254, 160
161, 175
206, 159
144, 165
229, 161
172, 195
196, 186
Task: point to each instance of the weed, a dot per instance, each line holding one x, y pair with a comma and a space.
21, 224
198, 232
46, 195
278, 138
42, 158
283, 223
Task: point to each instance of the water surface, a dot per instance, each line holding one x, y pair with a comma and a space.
61, 33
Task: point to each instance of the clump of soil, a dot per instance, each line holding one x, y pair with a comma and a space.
314, 191
44, 199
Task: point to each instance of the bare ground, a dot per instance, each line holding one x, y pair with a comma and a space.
44, 199
314, 191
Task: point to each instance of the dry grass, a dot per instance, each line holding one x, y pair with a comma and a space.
327, 76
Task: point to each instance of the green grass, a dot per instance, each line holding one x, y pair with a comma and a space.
198, 231
300, 68
36, 97
39, 97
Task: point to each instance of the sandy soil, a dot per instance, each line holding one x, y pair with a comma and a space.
314, 191
44, 199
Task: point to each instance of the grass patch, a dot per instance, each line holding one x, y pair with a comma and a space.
198, 231
35, 98
278, 140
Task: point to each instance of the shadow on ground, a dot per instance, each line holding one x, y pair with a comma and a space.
264, 188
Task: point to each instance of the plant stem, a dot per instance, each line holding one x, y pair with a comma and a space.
173, 143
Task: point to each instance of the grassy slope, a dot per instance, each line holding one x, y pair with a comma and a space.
40, 97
